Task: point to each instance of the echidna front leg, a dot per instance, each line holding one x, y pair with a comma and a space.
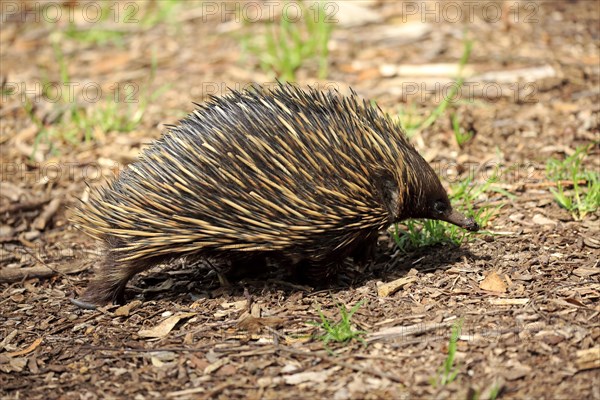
317, 274
251, 265
365, 251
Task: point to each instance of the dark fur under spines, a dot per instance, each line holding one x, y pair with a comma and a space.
302, 176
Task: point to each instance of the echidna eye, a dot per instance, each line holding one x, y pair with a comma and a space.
439, 207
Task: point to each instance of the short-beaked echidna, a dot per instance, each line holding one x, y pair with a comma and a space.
289, 174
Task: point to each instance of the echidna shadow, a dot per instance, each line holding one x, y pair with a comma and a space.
302, 177
258, 276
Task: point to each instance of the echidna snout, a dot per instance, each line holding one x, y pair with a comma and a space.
444, 212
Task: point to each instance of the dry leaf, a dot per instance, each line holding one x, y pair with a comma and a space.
163, 329
235, 305
197, 362
17, 364
541, 220
228, 308
493, 283
253, 325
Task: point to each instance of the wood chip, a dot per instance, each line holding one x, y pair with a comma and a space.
235, 305
507, 302
23, 205
541, 220
11, 191
389, 288
591, 242
588, 359
186, 392
585, 271
6, 232
216, 365
512, 76
254, 325
307, 376
396, 35
40, 222
231, 307
515, 370
350, 14
404, 331
447, 70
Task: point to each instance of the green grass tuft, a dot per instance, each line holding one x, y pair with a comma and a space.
116, 20
341, 331
161, 11
77, 123
448, 372
583, 198
495, 392
461, 137
414, 124
286, 46
464, 194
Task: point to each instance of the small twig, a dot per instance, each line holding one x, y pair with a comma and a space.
70, 325
219, 388
540, 185
112, 27
404, 331
258, 352
40, 222
517, 199
145, 350
353, 367
45, 271
24, 206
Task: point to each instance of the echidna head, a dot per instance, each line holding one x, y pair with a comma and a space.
428, 199
434, 204
418, 193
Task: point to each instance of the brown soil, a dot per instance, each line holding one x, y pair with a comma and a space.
537, 339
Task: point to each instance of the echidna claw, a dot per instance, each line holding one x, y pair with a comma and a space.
83, 304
